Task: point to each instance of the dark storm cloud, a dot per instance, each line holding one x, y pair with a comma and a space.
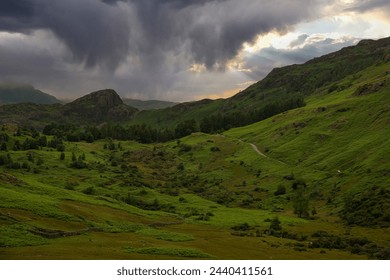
17, 15
95, 32
18, 9
144, 45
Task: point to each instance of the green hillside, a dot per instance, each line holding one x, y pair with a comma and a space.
13, 94
308, 183
144, 105
283, 89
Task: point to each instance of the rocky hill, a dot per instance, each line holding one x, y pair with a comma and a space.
102, 105
94, 108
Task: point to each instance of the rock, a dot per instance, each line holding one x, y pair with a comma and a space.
99, 106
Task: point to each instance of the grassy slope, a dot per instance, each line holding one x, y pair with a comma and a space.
40, 201
281, 84
14, 93
148, 104
170, 117
334, 132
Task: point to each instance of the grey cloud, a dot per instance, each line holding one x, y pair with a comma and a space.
268, 58
146, 45
299, 41
367, 5
96, 33
18, 9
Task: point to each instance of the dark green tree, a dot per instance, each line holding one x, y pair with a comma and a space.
301, 204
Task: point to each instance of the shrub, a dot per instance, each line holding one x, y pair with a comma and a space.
368, 208
78, 164
241, 227
215, 149
275, 224
280, 191
89, 190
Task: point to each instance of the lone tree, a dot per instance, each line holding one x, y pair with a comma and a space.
275, 224
301, 205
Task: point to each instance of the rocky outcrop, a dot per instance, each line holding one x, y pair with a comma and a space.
98, 106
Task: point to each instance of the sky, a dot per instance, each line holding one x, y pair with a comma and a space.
176, 50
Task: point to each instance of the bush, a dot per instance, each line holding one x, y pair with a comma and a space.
78, 164
89, 190
370, 207
275, 225
280, 191
215, 149
60, 147
185, 148
241, 227
180, 166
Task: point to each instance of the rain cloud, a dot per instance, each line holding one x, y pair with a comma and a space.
142, 48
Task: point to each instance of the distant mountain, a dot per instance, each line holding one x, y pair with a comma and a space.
99, 106
94, 108
14, 93
143, 105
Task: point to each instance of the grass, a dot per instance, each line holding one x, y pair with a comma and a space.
170, 252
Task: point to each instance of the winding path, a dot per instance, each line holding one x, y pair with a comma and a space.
256, 149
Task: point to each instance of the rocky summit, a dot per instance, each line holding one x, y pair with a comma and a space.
99, 106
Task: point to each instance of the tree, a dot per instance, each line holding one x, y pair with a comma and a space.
186, 128
275, 224
301, 204
3, 147
30, 156
89, 138
17, 145
73, 156
62, 156
60, 147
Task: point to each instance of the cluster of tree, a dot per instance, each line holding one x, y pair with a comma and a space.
154, 206
33, 140
140, 133
7, 161
220, 122
77, 162
369, 208
147, 134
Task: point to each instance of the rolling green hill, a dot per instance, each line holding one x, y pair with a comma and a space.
13, 94
308, 183
144, 105
283, 89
